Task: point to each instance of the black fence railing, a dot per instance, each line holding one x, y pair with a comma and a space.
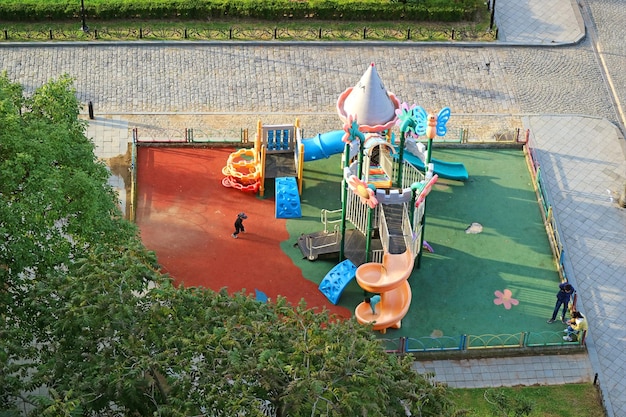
236, 33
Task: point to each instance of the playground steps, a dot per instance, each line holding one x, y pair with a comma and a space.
314, 244
393, 215
336, 280
287, 198
378, 177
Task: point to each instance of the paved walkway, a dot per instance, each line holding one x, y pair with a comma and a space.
549, 22
583, 177
539, 87
510, 372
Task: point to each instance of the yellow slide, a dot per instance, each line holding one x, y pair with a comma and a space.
390, 280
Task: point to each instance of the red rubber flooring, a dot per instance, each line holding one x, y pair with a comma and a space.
186, 216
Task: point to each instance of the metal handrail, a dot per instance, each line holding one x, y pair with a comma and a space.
324, 218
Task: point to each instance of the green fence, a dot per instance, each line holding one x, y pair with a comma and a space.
476, 342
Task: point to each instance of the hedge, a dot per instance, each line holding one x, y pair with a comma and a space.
273, 10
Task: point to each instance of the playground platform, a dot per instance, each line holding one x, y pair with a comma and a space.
182, 218
328, 244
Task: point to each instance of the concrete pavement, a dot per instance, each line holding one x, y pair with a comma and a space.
549, 22
547, 73
510, 372
584, 168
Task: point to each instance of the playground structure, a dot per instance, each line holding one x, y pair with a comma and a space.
277, 154
387, 202
380, 235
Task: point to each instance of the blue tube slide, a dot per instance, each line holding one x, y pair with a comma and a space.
323, 145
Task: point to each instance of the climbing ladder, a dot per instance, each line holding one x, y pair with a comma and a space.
287, 198
336, 280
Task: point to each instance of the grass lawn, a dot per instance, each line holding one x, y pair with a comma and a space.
574, 400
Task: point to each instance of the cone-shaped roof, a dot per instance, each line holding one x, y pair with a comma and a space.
369, 101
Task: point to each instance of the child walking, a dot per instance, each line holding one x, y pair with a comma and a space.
239, 224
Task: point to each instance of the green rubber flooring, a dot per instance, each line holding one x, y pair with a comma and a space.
454, 287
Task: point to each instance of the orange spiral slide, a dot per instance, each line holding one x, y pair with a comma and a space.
390, 280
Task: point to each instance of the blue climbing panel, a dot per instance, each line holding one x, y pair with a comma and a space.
287, 198
336, 280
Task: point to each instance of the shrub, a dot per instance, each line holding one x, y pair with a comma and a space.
348, 10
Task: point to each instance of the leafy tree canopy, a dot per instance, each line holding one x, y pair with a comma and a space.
86, 315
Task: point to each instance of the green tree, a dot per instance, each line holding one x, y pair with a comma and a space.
86, 313
55, 206
55, 201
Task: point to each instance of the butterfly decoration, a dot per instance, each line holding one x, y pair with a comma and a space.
430, 125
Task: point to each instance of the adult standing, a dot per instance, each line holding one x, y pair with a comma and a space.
562, 299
